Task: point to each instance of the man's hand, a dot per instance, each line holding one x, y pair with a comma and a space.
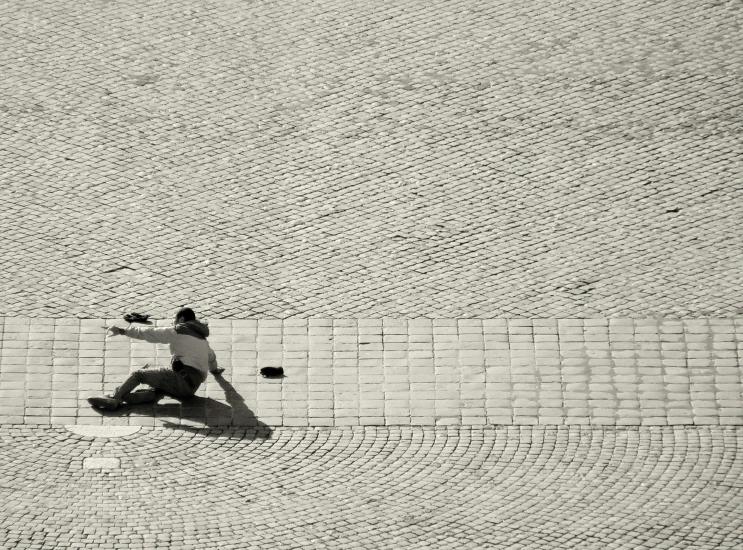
114, 330
217, 372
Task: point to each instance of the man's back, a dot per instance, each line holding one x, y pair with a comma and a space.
187, 342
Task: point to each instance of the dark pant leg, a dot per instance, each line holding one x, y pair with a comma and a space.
164, 380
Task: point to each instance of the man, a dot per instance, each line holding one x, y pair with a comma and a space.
191, 359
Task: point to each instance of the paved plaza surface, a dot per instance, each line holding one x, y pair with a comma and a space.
370, 372
366, 159
386, 487
494, 245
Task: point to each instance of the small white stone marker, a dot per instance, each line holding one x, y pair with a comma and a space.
103, 431
101, 463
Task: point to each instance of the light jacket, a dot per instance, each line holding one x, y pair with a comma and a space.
187, 342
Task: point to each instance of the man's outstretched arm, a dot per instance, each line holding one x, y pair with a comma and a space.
154, 335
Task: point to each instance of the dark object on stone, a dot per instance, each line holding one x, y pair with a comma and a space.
137, 318
272, 372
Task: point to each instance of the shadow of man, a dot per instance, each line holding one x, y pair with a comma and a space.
202, 412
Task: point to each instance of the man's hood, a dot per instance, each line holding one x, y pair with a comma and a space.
193, 328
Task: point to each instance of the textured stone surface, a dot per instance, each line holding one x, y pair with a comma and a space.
468, 199
373, 488
392, 372
360, 159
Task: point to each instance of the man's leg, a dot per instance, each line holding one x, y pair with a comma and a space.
142, 395
161, 380
153, 377
128, 386
122, 392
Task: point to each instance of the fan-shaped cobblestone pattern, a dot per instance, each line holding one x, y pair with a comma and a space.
464, 158
393, 372
374, 488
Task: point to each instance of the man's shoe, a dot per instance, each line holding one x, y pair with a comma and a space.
108, 403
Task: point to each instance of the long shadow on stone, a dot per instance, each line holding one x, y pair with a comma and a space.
204, 412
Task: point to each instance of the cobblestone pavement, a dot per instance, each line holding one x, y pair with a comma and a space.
443, 488
330, 158
392, 372
495, 246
